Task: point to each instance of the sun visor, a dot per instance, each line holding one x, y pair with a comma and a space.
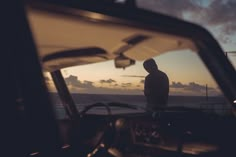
57, 64
68, 58
156, 46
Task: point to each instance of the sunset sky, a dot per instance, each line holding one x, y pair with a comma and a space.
186, 72
187, 76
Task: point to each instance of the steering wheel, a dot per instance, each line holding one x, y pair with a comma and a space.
86, 137
87, 108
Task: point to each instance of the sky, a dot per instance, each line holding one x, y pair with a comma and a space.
103, 78
218, 16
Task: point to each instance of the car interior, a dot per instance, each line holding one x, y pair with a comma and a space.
74, 83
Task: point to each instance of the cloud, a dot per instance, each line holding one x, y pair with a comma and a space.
169, 7
193, 88
88, 84
216, 15
74, 82
109, 81
107, 90
177, 85
222, 12
76, 86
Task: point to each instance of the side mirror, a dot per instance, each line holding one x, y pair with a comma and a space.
123, 62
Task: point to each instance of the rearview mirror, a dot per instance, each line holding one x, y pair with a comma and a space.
123, 62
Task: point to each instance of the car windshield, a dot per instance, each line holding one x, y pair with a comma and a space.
103, 63
190, 84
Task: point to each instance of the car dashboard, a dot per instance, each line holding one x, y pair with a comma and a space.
167, 133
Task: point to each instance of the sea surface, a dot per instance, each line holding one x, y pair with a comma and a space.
216, 104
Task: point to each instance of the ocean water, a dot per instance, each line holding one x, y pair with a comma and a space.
216, 104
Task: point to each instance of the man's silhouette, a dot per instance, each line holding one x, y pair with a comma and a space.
156, 86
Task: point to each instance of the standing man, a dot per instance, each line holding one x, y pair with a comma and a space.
156, 86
